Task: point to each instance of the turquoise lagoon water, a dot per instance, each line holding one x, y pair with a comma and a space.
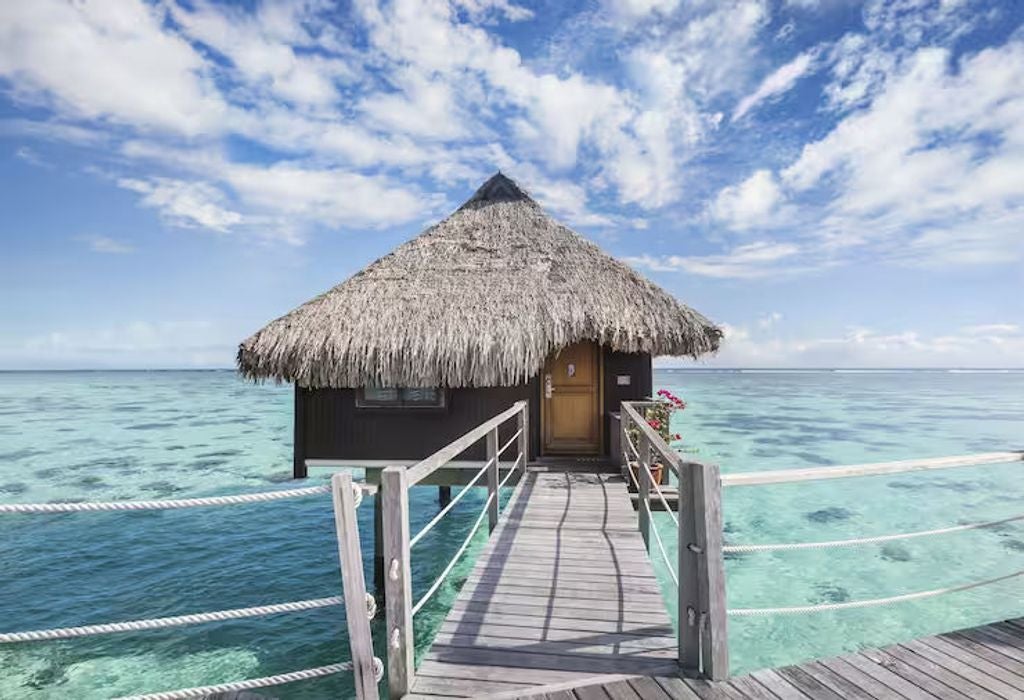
139, 435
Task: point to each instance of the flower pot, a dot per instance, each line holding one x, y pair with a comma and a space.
657, 470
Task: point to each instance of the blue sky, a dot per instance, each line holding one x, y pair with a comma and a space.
836, 183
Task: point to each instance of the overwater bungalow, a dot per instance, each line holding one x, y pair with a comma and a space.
495, 304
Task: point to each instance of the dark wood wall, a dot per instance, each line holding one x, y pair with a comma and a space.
329, 425
641, 384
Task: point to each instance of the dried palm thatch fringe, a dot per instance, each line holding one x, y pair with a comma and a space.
480, 299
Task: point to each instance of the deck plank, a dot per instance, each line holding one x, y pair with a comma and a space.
563, 603
547, 602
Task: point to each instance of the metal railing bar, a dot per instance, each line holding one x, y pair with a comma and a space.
437, 518
451, 565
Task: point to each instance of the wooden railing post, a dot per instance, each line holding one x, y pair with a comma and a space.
643, 490
353, 583
397, 580
703, 629
492, 480
523, 425
624, 441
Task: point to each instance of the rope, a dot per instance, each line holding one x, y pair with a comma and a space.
444, 511
280, 679
451, 565
661, 495
178, 620
37, 508
750, 612
632, 447
510, 441
511, 472
661, 545
629, 470
865, 540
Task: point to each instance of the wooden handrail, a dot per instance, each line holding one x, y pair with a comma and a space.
428, 466
785, 476
395, 484
703, 625
354, 585
656, 441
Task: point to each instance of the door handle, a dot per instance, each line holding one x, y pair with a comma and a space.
548, 389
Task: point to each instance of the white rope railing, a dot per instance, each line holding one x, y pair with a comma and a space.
745, 548
279, 679
511, 471
657, 489
161, 622
631, 446
180, 620
510, 441
167, 504
754, 612
444, 511
451, 565
661, 545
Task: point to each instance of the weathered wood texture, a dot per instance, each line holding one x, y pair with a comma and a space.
351, 559
981, 663
563, 592
397, 579
329, 425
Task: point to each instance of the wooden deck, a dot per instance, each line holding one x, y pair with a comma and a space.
984, 663
563, 604
563, 592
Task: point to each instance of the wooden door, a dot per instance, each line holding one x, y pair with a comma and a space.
571, 401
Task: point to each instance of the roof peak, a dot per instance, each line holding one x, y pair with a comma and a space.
499, 188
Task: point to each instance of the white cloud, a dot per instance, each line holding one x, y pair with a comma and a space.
483, 10
750, 204
185, 204
262, 48
748, 261
105, 244
424, 107
864, 347
30, 156
769, 320
639, 9
137, 344
52, 131
777, 83
993, 329
934, 162
328, 196
97, 60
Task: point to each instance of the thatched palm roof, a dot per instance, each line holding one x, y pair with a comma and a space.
480, 299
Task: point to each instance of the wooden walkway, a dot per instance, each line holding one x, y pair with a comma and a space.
564, 591
563, 604
984, 663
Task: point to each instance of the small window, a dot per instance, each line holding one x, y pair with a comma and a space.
405, 397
